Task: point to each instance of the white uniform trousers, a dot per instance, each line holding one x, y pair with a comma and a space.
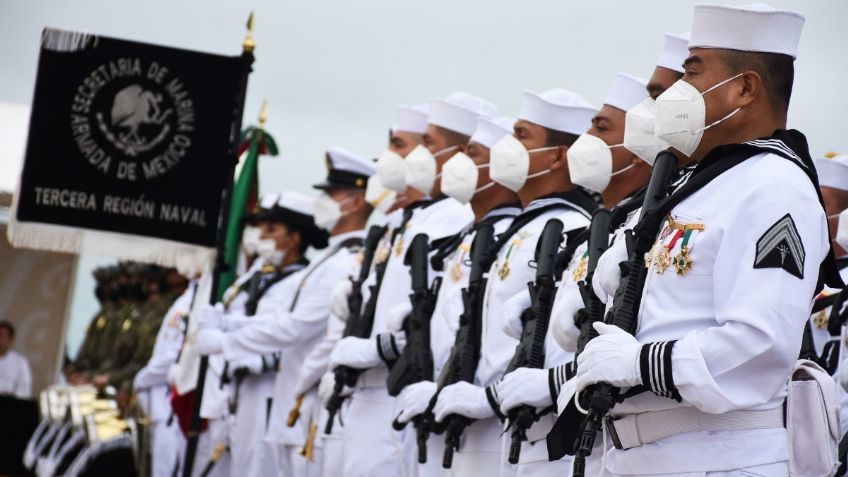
167, 446
371, 447
251, 455
217, 433
480, 450
435, 453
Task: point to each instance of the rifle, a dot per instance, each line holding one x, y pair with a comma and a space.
359, 321
594, 307
530, 351
600, 398
416, 362
465, 354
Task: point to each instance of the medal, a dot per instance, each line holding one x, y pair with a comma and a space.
504, 271
456, 272
399, 246
820, 320
580, 270
682, 262
101, 322
662, 259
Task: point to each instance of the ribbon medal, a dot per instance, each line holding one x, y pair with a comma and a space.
456, 268
581, 268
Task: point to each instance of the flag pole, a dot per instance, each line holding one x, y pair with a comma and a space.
248, 45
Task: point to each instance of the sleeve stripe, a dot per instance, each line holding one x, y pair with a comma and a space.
387, 348
655, 367
492, 397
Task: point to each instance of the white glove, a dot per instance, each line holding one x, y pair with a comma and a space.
465, 399
397, 315
524, 386
511, 312
414, 399
338, 299
568, 301
210, 341
171, 377
252, 364
211, 317
359, 353
326, 387
612, 357
608, 273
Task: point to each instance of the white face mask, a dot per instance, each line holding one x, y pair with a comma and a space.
842, 230
267, 250
682, 113
392, 171
639, 137
250, 240
510, 163
421, 167
327, 211
380, 197
590, 163
459, 178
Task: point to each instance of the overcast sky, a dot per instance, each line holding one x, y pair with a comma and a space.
334, 70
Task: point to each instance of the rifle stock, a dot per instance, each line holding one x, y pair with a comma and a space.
416, 361
358, 322
530, 351
465, 354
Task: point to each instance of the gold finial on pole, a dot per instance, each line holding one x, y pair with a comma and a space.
263, 113
249, 44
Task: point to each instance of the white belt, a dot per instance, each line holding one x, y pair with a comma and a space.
373, 378
635, 430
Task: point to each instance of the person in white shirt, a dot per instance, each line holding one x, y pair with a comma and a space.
15, 375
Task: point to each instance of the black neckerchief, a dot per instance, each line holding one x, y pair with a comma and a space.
446, 246
261, 281
788, 144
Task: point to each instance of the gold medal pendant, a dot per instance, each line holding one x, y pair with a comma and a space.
820, 320
399, 246
662, 259
580, 270
504, 271
456, 272
682, 262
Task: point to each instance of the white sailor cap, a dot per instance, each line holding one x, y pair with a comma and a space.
491, 130
756, 27
296, 211
626, 91
459, 111
833, 171
412, 119
557, 109
346, 169
268, 200
674, 51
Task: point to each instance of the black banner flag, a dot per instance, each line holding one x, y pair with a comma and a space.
129, 149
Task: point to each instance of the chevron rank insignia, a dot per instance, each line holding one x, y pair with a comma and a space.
781, 247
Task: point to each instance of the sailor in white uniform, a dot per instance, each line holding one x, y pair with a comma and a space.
288, 229
465, 178
827, 321
406, 133
713, 355
451, 122
532, 163
597, 162
154, 391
